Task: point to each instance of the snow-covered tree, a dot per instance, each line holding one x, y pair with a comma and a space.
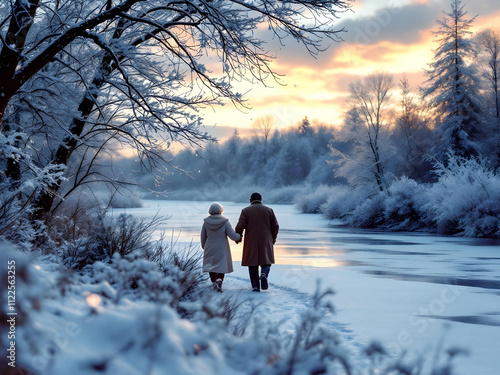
134, 72
366, 127
412, 135
452, 85
305, 127
489, 52
294, 161
488, 45
264, 125
408, 119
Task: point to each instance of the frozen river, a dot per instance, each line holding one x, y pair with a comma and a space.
410, 291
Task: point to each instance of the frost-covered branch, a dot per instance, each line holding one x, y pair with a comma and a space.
144, 61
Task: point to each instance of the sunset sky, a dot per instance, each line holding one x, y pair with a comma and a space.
393, 36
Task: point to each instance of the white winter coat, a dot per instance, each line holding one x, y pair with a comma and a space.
217, 255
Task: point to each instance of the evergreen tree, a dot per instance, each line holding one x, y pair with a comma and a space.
305, 127
452, 85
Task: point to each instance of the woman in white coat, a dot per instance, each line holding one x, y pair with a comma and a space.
217, 260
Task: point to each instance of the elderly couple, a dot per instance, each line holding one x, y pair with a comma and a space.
260, 226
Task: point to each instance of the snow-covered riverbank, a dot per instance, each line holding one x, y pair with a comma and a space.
417, 295
408, 290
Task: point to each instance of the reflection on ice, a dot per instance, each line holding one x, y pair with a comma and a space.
311, 260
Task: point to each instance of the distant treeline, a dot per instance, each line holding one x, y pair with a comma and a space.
293, 156
306, 165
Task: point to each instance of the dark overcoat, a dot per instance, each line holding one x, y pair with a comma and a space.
259, 228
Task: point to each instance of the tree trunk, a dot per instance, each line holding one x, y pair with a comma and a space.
495, 80
45, 199
20, 23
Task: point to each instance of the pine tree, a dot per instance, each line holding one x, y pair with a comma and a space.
452, 85
305, 127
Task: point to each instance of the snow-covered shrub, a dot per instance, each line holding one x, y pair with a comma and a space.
15, 225
310, 348
224, 312
283, 195
381, 362
174, 277
24, 290
111, 235
341, 201
15, 189
121, 200
86, 328
311, 200
74, 219
403, 205
398, 208
134, 277
125, 234
465, 199
369, 214
184, 265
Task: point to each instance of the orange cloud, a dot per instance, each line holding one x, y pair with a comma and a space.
490, 20
319, 88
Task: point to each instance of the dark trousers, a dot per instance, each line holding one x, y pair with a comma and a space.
214, 276
253, 271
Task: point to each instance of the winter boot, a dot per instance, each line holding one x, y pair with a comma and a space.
218, 286
263, 281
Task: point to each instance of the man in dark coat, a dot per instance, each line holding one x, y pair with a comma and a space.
261, 229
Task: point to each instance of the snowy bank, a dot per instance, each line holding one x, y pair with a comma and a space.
124, 316
463, 201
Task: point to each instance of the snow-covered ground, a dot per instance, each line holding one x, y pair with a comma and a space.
92, 322
415, 293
